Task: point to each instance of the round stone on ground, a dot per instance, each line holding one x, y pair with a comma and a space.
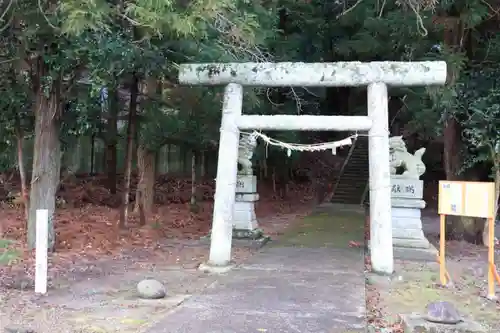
442, 312
151, 289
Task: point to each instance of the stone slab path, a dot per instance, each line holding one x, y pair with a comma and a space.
287, 287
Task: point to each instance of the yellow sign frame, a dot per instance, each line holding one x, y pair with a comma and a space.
475, 199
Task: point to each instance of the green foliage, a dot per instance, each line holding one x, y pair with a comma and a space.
7, 255
90, 44
15, 113
179, 118
479, 103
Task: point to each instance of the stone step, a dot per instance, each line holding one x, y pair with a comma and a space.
356, 166
349, 194
356, 171
357, 192
353, 181
358, 159
360, 162
341, 191
347, 199
354, 177
351, 185
357, 174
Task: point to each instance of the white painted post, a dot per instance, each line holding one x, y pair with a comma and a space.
41, 258
227, 168
382, 257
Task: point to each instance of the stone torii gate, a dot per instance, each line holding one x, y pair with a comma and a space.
376, 75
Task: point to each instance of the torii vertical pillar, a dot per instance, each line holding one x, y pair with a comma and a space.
376, 75
379, 180
225, 185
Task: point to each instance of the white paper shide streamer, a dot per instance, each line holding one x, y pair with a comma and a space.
289, 147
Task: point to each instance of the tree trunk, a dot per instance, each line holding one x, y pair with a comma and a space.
451, 149
22, 170
46, 161
203, 162
274, 180
184, 160
284, 180
92, 154
459, 227
194, 203
131, 128
169, 158
465, 228
144, 201
111, 139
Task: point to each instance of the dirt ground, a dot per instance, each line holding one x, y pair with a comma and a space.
95, 269
416, 284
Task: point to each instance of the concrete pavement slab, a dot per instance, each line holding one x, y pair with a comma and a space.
279, 290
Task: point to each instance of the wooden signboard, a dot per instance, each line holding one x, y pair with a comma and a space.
476, 199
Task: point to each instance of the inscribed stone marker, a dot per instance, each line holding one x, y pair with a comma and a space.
406, 188
246, 184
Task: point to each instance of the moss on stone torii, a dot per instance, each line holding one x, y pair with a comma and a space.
328, 74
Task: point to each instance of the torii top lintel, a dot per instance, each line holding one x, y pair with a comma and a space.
326, 74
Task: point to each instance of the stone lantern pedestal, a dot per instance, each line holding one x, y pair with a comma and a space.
408, 237
246, 231
245, 225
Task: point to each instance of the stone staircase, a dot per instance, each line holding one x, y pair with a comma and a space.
353, 179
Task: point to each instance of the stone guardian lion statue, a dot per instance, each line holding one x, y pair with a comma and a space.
400, 157
246, 147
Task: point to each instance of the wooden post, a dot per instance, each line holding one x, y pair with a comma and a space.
491, 259
442, 247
